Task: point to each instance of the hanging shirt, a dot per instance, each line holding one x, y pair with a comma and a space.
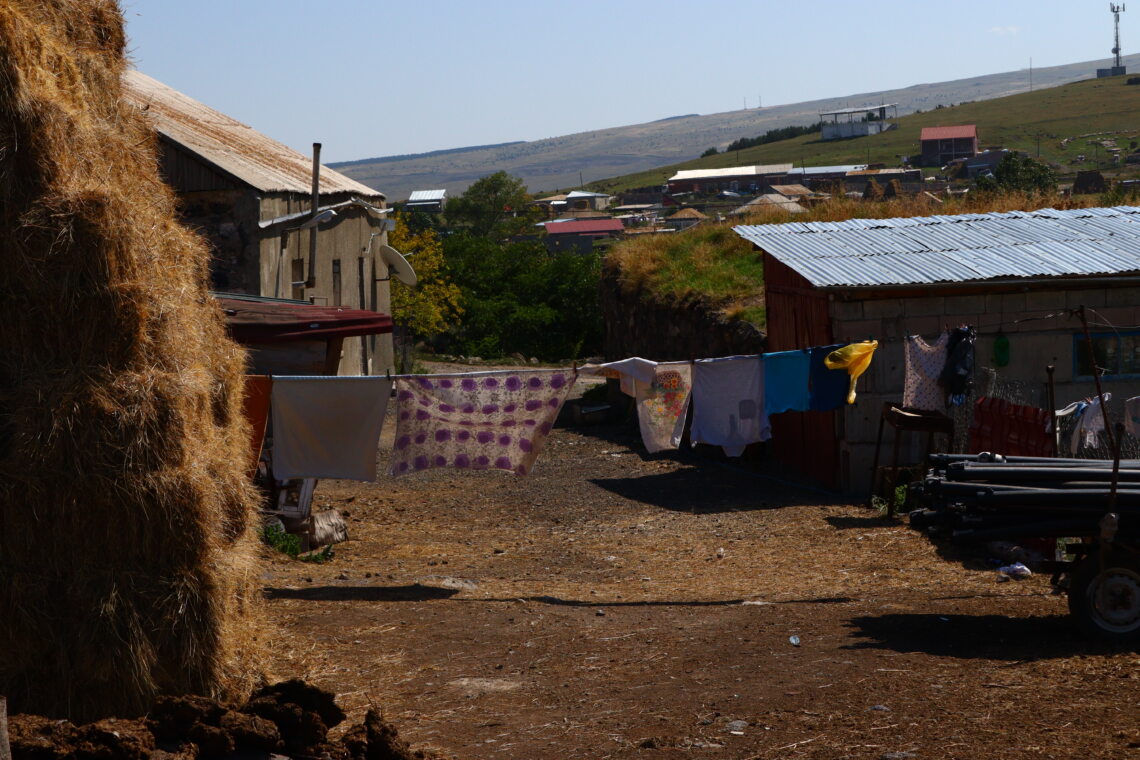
476, 421
728, 403
327, 427
855, 358
661, 392
1090, 423
786, 385
1132, 416
924, 363
828, 386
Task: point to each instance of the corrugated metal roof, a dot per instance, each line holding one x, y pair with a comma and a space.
584, 194
240, 150
583, 227
964, 248
731, 171
949, 133
860, 109
427, 196
842, 169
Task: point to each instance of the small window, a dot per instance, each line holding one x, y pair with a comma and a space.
336, 294
1117, 355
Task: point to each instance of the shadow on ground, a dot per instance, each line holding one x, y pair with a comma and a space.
414, 592
988, 637
558, 601
707, 488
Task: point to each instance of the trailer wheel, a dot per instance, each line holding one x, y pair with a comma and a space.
1105, 603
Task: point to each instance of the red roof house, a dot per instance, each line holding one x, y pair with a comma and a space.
941, 145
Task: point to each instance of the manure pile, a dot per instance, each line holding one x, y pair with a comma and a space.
126, 551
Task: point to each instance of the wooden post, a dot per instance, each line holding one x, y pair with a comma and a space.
5, 748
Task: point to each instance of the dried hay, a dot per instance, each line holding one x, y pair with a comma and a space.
126, 555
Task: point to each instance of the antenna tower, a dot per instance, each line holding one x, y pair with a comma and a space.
1116, 10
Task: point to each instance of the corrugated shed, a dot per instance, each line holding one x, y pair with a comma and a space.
233, 147
731, 171
427, 196
965, 248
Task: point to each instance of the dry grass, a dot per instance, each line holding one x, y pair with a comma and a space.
126, 556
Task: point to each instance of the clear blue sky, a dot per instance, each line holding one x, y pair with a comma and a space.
368, 78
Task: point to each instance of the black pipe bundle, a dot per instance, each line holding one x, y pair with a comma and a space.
988, 497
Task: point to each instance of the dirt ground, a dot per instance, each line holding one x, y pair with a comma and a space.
615, 604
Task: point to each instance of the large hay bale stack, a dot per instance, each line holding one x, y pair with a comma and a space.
126, 553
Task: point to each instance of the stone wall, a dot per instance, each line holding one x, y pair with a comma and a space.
669, 333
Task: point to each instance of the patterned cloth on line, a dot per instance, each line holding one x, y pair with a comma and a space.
924, 363
661, 391
476, 421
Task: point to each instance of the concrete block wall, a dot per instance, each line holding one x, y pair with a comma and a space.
1036, 339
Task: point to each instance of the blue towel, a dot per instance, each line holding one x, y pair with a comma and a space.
828, 386
786, 382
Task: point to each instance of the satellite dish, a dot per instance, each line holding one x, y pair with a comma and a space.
398, 266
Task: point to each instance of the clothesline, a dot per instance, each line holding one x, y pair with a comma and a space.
500, 419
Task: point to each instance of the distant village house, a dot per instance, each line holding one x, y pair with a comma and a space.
941, 145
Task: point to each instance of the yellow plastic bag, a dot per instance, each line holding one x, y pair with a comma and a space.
855, 358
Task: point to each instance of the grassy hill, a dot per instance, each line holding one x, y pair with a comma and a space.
559, 162
1049, 122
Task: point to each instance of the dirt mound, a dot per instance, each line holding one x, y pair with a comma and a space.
291, 718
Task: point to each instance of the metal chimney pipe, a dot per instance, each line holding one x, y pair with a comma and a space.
311, 280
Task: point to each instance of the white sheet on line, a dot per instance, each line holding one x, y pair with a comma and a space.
327, 427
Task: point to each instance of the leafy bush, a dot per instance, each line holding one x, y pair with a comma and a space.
518, 298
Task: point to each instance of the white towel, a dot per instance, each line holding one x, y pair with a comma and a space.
327, 427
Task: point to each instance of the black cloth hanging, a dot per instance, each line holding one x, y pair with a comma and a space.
957, 376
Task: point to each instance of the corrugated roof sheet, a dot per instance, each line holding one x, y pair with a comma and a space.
964, 248
841, 169
584, 227
731, 171
240, 150
860, 109
427, 196
584, 194
949, 133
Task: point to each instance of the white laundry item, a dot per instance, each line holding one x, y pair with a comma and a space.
728, 403
1090, 423
1132, 416
327, 427
661, 391
924, 363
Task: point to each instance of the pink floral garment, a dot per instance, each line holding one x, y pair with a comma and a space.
476, 421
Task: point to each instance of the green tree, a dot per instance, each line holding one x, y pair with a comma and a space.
518, 298
709, 152
433, 305
1017, 171
497, 205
